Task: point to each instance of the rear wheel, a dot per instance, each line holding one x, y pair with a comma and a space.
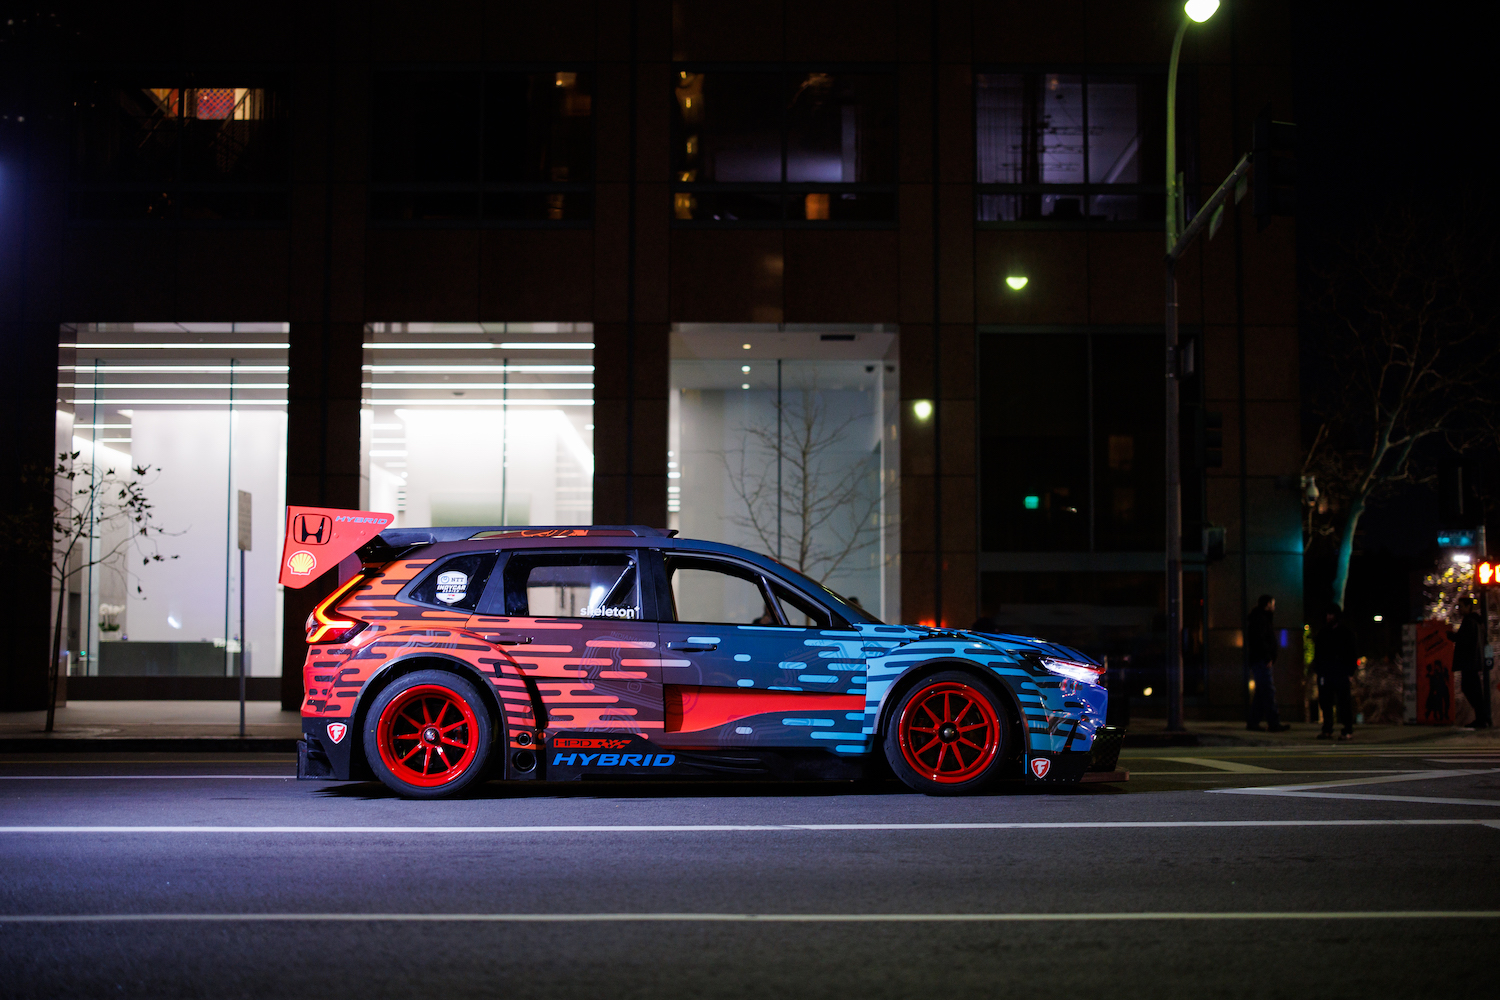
428, 734
949, 735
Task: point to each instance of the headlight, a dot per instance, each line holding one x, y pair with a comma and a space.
1088, 673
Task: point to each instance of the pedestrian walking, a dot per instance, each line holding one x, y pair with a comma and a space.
1468, 662
1261, 649
1335, 661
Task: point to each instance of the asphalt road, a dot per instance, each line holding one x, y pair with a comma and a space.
1328, 872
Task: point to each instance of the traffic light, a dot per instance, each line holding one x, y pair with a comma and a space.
1274, 148
1213, 439
1487, 573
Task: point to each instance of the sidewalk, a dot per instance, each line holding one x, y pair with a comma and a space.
109, 726
1152, 732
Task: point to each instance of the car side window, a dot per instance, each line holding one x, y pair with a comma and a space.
455, 583
799, 611
709, 592
570, 585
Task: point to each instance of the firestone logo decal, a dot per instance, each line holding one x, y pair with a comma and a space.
336, 731
301, 562
1040, 766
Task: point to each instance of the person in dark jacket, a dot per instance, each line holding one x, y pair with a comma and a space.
1335, 661
1468, 662
1260, 651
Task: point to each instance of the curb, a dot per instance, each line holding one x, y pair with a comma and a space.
136, 744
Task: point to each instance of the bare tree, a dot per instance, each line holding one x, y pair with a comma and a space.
89, 505
820, 510
1411, 361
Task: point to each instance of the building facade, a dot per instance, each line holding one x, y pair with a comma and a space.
874, 287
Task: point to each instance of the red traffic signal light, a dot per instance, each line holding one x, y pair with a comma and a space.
1487, 573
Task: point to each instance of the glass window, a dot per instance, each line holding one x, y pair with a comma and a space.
165, 149
202, 408
1066, 149
1034, 442
572, 585
1071, 442
785, 441
718, 593
457, 582
798, 146
501, 146
798, 610
482, 424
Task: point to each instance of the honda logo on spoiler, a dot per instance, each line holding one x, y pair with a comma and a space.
312, 529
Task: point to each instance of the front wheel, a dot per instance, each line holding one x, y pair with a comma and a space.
428, 734
949, 735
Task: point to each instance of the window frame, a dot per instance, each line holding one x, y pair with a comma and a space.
277, 79
766, 581
494, 594
1187, 144
478, 189
785, 190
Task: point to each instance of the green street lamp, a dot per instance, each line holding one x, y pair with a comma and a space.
1194, 11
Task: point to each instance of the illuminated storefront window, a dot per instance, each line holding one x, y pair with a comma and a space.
784, 441
479, 423
203, 408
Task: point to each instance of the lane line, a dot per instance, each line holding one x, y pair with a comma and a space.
759, 827
797, 918
1215, 774
148, 777
1316, 790
1356, 796
1218, 765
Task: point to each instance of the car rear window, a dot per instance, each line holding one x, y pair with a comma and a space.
571, 585
455, 583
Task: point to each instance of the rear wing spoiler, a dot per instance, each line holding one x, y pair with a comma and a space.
319, 538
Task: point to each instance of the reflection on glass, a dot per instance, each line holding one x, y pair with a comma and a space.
729, 127
792, 454
204, 407
840, 129
1114, 130
485, 424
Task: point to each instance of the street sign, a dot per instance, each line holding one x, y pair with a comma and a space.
1456, 539
244, 519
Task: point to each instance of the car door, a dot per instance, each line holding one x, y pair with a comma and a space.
578, 624
749, 661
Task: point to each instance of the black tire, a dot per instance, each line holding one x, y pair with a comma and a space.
399, 739
928, 757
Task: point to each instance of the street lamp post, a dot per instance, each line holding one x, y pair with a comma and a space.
1193, 11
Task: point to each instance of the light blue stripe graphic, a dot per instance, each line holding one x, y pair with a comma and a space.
741, 657
745, 682
807, 722
704, 638
816, 678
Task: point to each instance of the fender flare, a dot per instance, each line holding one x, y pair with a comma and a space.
415, 660
907, 680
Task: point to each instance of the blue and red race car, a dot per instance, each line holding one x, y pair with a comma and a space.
450, 655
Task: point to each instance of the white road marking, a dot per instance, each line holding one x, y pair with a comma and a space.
147, 777
754, 827
1216, 764
749, 918
1317, 790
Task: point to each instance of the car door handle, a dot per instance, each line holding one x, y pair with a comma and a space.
691, 647
507, 640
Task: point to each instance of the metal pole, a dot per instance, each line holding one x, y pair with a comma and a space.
1173, 526
244, 644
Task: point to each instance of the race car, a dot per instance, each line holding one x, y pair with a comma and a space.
450, 655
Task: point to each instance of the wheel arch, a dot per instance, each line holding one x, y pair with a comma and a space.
914, 676
423, 660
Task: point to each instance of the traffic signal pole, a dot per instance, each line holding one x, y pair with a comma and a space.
1210, 215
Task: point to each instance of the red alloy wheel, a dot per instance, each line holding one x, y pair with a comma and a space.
949, 732
426, 735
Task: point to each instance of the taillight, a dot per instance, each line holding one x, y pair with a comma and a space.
323, 627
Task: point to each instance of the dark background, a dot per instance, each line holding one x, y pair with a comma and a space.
1393, 104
